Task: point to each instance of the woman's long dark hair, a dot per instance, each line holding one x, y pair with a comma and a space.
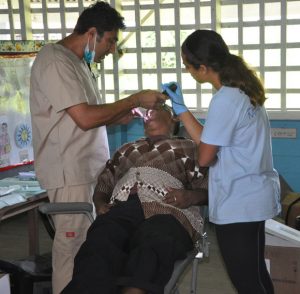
205, 47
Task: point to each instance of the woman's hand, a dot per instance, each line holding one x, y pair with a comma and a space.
176, 97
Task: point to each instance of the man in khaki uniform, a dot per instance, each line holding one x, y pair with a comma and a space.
68, 123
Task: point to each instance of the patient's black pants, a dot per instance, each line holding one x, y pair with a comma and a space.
124, 249
242, 246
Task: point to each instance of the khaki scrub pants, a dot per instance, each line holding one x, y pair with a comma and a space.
70, 232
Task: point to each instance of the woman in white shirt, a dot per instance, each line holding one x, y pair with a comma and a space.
235, 143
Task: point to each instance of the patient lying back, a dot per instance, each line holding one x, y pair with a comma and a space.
147, 199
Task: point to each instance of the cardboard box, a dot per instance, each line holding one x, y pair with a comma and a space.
283, 257
4, 284
291, 206
284, 268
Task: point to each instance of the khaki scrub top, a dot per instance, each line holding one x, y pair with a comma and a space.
63, 153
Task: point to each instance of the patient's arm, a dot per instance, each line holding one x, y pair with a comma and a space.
114, 169
186, 198
101, 201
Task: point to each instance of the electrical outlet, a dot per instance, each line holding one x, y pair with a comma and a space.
290, 133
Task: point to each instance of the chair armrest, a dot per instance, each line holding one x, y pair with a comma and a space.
68, 208
204, 211
202, 246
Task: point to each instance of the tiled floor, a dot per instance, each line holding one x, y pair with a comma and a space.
211, 278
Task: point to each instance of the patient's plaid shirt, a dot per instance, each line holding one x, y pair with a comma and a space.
154, 164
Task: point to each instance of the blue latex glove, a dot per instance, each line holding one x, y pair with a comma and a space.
176, 98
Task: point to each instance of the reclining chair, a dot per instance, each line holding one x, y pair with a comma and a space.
200, 251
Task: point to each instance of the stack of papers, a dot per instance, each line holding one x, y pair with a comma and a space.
11, 199
9, 189
15, 190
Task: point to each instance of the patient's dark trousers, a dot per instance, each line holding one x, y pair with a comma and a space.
124, 249
242, 246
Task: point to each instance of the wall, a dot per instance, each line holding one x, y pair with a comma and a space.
286, 152
117, 135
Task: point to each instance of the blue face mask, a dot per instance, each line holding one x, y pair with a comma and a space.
89, 55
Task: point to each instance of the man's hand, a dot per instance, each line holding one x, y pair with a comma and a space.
149, 99
103, 207
179, 198
126, 118
101, 202
185, 198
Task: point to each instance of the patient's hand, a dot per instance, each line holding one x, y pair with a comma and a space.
103, 207
179, 198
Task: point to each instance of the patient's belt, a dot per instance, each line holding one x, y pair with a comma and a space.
152, 184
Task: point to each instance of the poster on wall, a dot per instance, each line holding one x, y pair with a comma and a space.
15, 125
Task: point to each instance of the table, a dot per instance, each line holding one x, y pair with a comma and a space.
30, 206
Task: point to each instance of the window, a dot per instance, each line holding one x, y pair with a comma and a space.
265, 33
155, 31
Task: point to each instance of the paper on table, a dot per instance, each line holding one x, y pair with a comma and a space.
17, 181
28, 174
2, 204
31, 189
24, 176
13, 199
9, 189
